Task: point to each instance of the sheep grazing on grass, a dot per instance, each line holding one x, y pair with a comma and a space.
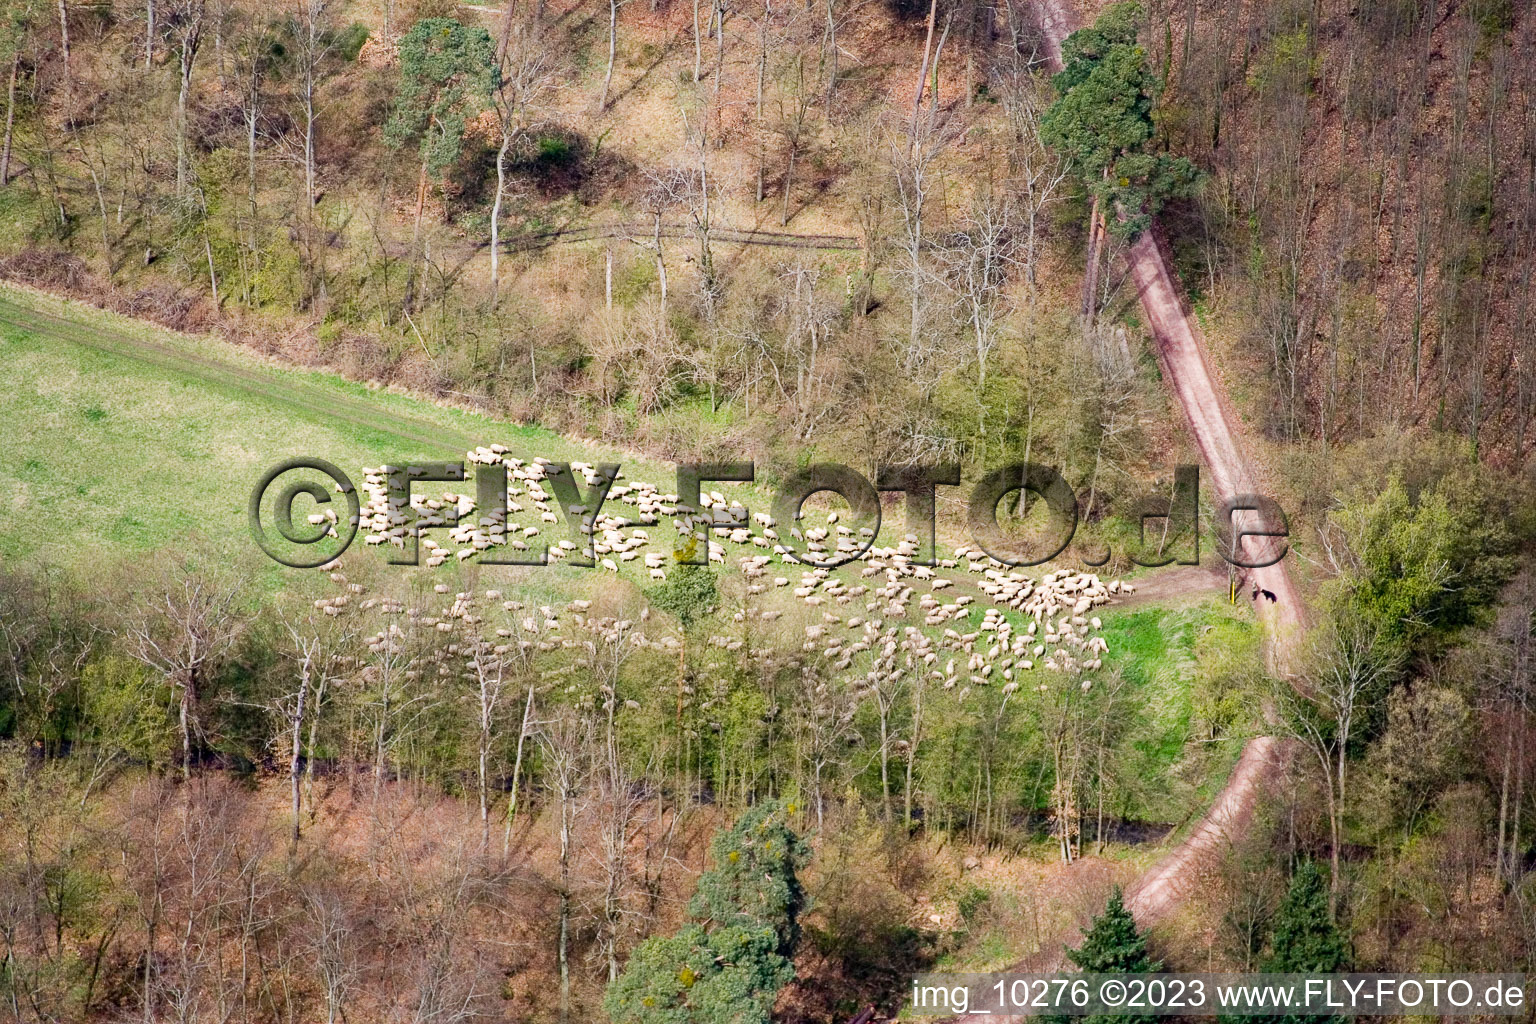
894, 586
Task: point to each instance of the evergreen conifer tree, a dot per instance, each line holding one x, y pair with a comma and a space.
1113, 945
727, 965
1103, 123
1305, 940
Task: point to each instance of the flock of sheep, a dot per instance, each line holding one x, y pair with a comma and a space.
857, 601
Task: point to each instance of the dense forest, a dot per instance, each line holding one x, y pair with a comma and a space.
881, 233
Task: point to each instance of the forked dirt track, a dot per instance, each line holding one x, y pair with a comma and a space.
1181, 354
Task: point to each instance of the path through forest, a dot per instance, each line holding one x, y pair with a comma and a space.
1186, 369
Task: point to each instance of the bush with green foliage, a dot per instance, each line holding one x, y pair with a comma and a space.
1419, 565
689, 593
349, 41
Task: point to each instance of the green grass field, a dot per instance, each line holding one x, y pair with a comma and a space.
118, 438
1165, 656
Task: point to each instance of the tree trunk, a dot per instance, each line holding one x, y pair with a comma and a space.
184, 719
1091, 278
149, 32
1509, 745
762, 70
309, 144
832, 59
378, 743
706, 252
719, 44
564, 952
613, 38
309, 759
10, 118
1333, 852
917, 731
661, 265
1519, 800
218, 44
1103, 739
69, 83
106, 231
505, 36
421, 205
149, 966
564, 957
213, 275
517, 769
698, 45
789, 173
293, 754
970, 54
885, 772
501, 188
922, 76
251, 117
188, 56
485, 803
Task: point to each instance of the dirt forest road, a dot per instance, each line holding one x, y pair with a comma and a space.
1186, 368
1182, 357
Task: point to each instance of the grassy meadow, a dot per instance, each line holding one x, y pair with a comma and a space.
118, 438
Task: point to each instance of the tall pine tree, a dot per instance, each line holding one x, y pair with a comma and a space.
728, 964
1103, 123
1305, 941
1113, 945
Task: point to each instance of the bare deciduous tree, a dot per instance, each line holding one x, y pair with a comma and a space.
564, 739
187, 22
319, 652
1514, 661
613, 43
913, 160
977, 260
186, 631
527, 72
1351, 667
331, 927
